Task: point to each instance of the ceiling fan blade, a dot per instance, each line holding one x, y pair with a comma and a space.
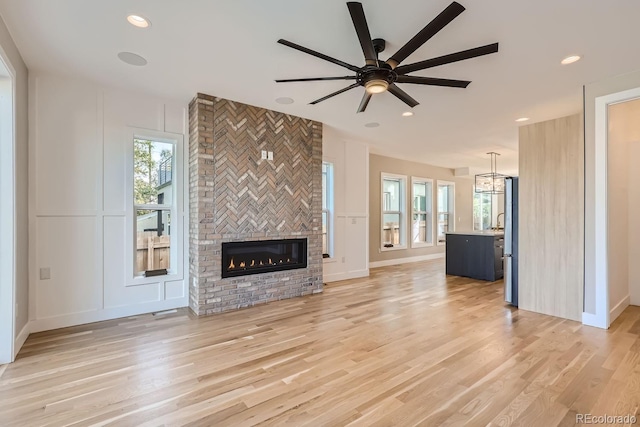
431, 29
365, 101
318, 55
362, 30
313, 79
338, 92
447, 59
431, 81
402, 95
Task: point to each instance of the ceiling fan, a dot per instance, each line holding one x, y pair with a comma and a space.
379, 76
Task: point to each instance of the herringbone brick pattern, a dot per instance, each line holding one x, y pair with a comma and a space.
255, 195
235, 195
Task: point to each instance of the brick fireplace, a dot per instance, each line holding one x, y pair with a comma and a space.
236, 196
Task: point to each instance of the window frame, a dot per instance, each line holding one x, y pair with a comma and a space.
176, 207
329, 209
402, 222
419, 180
451, 226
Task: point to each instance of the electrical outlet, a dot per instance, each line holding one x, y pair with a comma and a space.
264, 154
354, 221
45, 273
270, 155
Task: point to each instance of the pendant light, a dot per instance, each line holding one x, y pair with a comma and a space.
492, 182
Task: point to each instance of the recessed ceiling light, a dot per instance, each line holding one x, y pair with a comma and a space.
132, 59
407, 114
570, 59
284, 100
522, 119
138, 21
372, 125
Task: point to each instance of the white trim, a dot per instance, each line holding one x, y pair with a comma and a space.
46, 324
328, 278
21, 338
395, 248
590, 319
619, 308
8, 222
406, 260
602, 316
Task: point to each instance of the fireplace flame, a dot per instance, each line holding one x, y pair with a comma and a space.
254, 263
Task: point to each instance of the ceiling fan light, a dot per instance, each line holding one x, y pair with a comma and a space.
376, 86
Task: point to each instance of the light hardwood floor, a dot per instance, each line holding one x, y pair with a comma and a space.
406, 346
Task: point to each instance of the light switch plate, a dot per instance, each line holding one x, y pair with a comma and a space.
270, 155
45, 273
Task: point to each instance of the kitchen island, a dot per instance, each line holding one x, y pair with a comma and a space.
475, 254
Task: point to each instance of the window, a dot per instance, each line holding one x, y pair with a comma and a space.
393, 211
421, 212
482, 207
154, 201
446, 209
327, 209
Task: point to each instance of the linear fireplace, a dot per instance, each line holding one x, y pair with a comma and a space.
262, 256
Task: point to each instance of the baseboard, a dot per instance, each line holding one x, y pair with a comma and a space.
619, 308
46, 324
21, 338
407, 260
594, 320
345, 276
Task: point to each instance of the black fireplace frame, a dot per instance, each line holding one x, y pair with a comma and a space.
226, 258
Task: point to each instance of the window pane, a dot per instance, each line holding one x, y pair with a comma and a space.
419, 197
153, 172
391, 195
153, 240
443, 223
391, 229
324, 186
325, 229
482, 211
420, 229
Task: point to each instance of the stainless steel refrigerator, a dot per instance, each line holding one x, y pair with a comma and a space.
511, 241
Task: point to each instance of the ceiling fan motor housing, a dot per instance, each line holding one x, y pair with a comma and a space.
371, 72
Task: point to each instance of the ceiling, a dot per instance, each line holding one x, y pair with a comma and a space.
228, 48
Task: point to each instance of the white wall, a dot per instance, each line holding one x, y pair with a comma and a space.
79, 189
351, 221
19, 224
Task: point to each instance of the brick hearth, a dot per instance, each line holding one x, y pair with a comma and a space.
234, 195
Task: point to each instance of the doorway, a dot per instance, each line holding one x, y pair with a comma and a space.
623, 201
616, 141
7, 214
